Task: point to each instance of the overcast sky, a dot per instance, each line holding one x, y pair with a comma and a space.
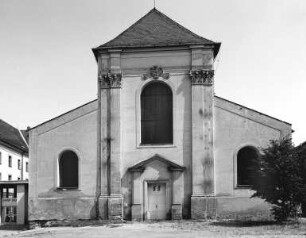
47, 66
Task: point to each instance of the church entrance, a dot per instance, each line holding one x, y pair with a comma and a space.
157, 189
157, 201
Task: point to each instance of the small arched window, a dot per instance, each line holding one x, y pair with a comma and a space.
156, 114
69, 170
245, 158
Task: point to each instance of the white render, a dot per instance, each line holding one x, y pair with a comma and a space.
16, 173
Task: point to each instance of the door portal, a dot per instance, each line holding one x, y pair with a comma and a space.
157, 201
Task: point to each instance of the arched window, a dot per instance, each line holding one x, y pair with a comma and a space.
245, 159
156, 114
69, 170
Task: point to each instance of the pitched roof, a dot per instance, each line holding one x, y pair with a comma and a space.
155, 29
11, 136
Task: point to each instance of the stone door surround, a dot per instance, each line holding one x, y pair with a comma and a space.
174, 187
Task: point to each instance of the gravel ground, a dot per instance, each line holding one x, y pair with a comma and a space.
165, 229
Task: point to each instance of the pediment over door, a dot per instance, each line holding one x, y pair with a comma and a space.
141, 166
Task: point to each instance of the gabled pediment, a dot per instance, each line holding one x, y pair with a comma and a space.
140, 167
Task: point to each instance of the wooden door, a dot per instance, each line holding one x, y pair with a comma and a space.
157, 201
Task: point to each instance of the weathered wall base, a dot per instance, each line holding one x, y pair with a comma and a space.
111, 207
229, 208
103, 207
137, 212
176, 212
242, 208
62, 208
203, 207
115, 207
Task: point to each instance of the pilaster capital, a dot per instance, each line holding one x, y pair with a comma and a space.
202, 77
110, 80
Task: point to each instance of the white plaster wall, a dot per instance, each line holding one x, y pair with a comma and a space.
78, 135
77, 131
236, 127
5, 170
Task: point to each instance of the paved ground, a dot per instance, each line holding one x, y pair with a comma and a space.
166, 229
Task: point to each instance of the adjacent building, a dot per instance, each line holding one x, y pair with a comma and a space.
14, 173
14, 158
157, 143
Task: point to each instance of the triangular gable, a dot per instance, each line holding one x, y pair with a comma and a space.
140, 167
156, 29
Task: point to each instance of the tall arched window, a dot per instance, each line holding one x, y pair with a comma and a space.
69, 170
156, 114
245, 158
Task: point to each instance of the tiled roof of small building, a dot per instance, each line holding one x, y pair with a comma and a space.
12, 137
156, 30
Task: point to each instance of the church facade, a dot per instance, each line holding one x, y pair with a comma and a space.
157, 143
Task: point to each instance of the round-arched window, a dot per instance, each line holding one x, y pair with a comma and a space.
245, 158
69, 170
156, 114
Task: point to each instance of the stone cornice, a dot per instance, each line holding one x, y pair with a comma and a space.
202, 77
110, 80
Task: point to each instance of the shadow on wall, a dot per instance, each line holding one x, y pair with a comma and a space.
15, 227
127, 186
244, 223
185, 91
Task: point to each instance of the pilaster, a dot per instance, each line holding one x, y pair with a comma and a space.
137, 206
178, 194
111, 200
203, 185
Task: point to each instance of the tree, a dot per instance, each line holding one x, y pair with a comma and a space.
301, 151
277, 178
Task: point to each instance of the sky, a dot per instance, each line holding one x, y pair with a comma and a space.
47, 67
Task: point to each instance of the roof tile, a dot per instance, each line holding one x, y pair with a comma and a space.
12, 136
156, 29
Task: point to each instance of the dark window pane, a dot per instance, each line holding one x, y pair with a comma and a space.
156, 114
69, 170
245, 159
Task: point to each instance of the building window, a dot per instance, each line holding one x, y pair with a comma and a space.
0, 158
156, 114
10, 161
9, 177
68, 170
0, 176
245, 158
27, 167
19, 164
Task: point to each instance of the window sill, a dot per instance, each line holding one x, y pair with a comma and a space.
67, 189
243, 187
145, 146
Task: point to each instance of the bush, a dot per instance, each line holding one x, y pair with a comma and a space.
278, 178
